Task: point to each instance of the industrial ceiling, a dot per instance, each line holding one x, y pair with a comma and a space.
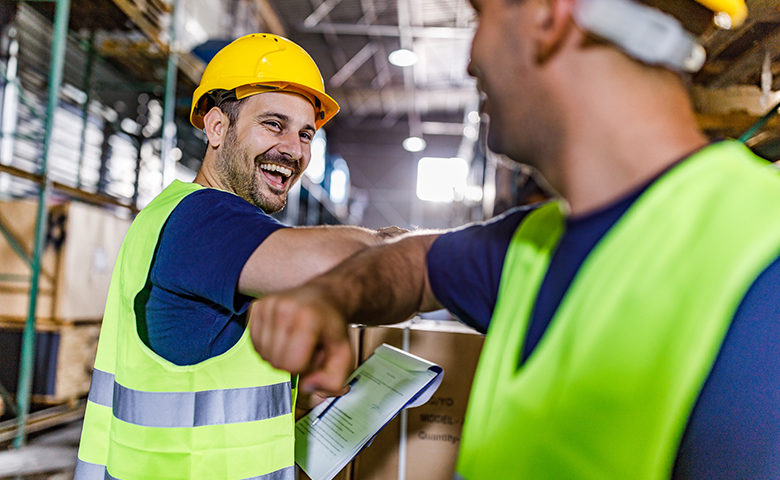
382, 104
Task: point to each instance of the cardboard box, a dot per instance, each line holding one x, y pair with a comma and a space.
63, 360
19, 219
433, 431
355, 339
82, 245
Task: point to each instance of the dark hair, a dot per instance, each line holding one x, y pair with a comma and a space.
231, 107
225, 100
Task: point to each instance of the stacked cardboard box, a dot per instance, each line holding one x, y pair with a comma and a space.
76, 264
428, 448
82, 244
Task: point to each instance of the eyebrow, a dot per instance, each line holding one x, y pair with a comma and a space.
284, 118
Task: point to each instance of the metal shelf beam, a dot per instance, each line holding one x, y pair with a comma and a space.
62, 12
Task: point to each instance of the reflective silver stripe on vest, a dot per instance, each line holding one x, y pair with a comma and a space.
89, 471
93, 471
283, 474
190, 409
101, 391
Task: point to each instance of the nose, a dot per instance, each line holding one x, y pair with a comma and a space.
472, 69
290, 145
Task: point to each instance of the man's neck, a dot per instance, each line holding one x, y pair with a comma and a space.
207, 176
621, 133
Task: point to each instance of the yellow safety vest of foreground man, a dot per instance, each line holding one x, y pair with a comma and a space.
662, 259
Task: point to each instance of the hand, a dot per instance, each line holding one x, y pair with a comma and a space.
391, 232
306, 401
301, 332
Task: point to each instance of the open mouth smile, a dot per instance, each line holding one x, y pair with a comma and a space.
278, 176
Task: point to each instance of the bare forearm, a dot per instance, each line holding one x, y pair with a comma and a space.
381, 285
304, 330
292, 256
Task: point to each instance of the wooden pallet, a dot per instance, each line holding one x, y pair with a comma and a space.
145, 57
151, 16
76, 349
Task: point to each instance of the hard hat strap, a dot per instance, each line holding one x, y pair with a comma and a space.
643, 32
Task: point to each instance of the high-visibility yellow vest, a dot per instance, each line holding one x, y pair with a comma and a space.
608, 390
229, 417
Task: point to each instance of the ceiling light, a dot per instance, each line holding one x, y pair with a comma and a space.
414, 144
316, 169
402, 57
474, 193
441, 179
723, 20
339, 182
470, 132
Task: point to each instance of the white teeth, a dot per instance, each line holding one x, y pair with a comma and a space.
272, 167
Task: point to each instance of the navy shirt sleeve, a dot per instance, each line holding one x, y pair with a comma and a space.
464, 267
206, 242
734, 429
193, 311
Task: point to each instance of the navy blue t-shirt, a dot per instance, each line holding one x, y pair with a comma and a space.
194, 311
734, 429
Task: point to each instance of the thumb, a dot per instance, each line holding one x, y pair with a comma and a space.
330, 376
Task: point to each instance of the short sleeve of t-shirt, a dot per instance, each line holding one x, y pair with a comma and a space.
205, 243
464, 266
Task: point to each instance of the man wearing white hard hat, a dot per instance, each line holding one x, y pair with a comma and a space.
633, 328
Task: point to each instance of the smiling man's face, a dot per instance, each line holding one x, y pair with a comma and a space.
267, 149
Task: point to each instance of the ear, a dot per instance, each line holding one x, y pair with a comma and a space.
552, 24
215, 125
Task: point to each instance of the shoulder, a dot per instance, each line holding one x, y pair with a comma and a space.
464, 266
498, 229
210, 206
212, 199
733, 429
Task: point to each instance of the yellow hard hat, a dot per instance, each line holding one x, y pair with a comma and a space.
735, 10
262, 62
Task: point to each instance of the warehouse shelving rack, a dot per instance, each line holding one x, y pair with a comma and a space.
24, 387
24, 421
308, 205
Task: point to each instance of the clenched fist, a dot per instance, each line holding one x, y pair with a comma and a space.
302, 332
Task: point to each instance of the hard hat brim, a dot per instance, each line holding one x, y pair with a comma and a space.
327, 109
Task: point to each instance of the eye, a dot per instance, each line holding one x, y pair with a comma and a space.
273, 124
306, 136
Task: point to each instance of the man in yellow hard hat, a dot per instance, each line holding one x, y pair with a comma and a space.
633, 330
178, 391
